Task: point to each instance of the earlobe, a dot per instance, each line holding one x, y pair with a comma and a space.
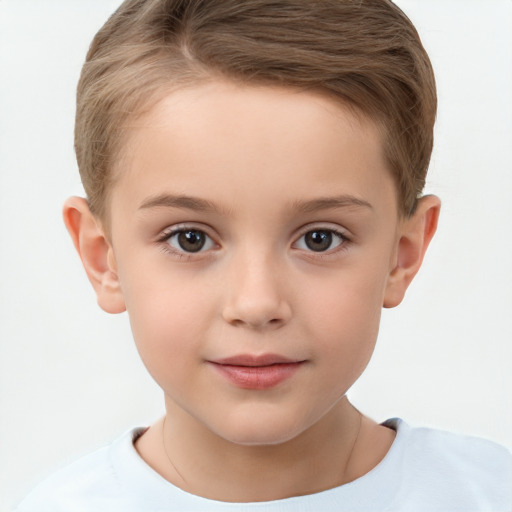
96, 254
414, 237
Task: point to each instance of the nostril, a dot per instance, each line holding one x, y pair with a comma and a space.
273, 322
255, 323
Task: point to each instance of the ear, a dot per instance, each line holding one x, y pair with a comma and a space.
96, 254
415, 234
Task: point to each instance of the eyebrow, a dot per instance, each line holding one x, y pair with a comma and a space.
179, 201
203, 205
325, 203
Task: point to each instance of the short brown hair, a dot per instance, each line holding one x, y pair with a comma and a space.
367, 53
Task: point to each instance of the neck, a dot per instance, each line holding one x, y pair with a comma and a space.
200, 462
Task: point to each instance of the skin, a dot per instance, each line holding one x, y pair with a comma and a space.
265, 167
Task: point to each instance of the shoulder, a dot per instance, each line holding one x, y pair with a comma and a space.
472, 455
87, 482
457, 468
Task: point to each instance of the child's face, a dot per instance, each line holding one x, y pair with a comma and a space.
251, 222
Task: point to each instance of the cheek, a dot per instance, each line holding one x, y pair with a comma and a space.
344, 319
347, 301
169, 321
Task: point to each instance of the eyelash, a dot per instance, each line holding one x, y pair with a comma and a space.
167, 235
344, 241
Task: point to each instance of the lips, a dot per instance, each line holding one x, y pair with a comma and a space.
256, 372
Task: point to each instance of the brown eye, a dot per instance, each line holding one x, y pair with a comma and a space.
318, 240
190, 240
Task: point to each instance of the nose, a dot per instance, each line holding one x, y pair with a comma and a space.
256, 295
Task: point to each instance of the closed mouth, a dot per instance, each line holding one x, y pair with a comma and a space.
249, 360
257, 372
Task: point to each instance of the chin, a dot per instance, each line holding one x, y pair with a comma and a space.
261, 432
260, 438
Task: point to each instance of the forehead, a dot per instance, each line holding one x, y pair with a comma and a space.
227, 143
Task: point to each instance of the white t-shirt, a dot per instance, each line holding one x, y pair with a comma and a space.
425, 470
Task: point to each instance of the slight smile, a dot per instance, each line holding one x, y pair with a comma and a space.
256, 372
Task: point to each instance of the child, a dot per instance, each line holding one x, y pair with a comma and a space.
253, 174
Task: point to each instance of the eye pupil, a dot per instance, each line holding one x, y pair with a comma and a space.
191, 240
318, 240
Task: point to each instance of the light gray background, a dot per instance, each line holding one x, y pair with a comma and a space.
70, 378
